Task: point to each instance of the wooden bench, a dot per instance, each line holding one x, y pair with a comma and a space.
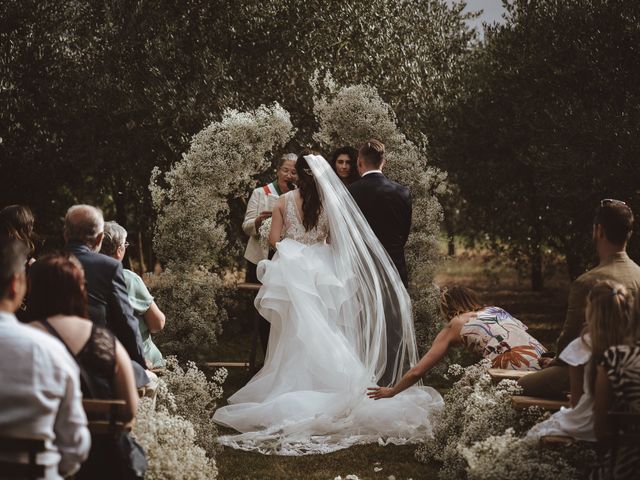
103, 416
499, 374
30, 447
556, 440
521, 402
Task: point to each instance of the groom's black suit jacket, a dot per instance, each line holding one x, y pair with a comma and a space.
387, 207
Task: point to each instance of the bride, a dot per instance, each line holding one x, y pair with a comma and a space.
327, 293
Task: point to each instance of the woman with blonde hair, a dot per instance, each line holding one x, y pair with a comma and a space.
614, 381
489, 332
609, 322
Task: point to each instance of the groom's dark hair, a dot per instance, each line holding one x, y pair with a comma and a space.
372, 153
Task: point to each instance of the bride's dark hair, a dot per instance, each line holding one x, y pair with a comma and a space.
311, 205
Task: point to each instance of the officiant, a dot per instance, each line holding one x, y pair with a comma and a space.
258, 210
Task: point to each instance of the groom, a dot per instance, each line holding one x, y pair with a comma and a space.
387, 207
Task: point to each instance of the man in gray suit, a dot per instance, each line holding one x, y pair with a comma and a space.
107, 293
612, 228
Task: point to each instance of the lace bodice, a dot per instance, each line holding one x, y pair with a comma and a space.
294, 229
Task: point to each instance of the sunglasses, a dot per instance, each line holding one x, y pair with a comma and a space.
611, 201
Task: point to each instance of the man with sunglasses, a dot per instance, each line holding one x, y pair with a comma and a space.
612, 227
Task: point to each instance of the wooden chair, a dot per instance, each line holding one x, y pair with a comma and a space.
499, 374
521, 402
22, 446
103, 416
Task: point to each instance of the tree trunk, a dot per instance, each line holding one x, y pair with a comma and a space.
120, 203
448, 226
537, 278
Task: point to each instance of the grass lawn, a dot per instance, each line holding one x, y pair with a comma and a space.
498, 285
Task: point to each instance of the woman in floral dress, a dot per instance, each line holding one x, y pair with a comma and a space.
489, 332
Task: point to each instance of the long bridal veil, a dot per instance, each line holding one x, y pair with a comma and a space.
378, 323
340, 321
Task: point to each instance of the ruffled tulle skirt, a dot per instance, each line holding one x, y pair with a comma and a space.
310, 396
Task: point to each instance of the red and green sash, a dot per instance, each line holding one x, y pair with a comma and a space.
272, 189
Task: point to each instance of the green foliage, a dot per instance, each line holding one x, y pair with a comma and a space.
408, 50
544, 125
95, 94
98, 93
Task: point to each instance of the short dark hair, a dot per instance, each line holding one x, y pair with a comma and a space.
616, 219
56, 287
372, 153
13, 258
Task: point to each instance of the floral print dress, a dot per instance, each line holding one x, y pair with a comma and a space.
497, 335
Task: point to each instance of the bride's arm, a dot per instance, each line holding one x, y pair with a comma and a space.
449, 335
276, 223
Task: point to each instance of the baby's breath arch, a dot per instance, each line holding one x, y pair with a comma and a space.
194, 232
193, 235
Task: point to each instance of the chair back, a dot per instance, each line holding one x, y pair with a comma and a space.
25, 446
103, 416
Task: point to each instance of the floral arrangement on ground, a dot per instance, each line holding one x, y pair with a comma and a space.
176, 428
480, 436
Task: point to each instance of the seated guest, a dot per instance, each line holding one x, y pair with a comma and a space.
616, 387
17, 221
150, 318
40, 390
489, 332
612, 227
258, 210
108, 300
609, 322
343, 162
58, 305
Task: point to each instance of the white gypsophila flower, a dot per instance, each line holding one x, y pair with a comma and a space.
474, 410
193, 239
192, 396
264, 231
169, 443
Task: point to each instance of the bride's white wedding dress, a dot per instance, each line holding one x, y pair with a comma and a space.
310, 396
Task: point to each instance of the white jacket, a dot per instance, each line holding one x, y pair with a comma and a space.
259, 202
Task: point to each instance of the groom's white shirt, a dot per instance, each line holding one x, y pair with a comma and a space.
370, 171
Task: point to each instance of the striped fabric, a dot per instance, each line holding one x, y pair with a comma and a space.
622, 364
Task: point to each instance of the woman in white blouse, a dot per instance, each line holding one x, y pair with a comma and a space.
259, 209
